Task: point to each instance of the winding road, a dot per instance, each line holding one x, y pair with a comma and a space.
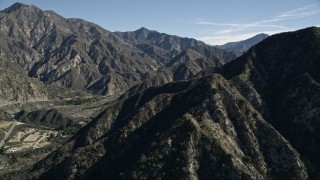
8, 133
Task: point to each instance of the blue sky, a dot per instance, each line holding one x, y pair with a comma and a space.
212, 21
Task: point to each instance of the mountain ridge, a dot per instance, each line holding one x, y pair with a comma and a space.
167, 42
81, 55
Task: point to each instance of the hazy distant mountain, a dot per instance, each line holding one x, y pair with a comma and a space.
81, 55
256, 118
243, 46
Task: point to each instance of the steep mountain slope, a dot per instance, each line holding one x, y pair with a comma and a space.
286, 76
181, 58
243, 46
184, 66
72, 52
255, 118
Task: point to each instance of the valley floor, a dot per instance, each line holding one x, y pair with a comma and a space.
23, 144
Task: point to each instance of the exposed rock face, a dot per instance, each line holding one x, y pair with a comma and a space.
81, 55
254, 118
245, 45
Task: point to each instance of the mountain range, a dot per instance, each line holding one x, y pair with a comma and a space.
80, 55
187, 110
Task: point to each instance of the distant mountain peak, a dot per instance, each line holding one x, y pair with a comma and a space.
143, 29
244, 45
18, 5
263, 35
14, 7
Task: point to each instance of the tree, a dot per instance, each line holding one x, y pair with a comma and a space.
1, 150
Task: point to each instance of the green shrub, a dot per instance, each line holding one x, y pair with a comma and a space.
247, 159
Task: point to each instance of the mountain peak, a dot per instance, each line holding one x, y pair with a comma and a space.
14, 7
143, 30
261, 35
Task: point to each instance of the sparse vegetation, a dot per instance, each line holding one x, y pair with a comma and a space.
78, 101
51, 137
69, 131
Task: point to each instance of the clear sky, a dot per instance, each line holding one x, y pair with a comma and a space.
212, 21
